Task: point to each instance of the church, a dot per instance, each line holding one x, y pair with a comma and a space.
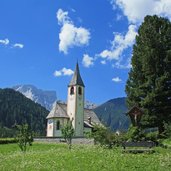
82, 119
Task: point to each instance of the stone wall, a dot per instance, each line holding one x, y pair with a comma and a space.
58, 140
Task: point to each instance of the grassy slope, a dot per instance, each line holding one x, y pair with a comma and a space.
57, 157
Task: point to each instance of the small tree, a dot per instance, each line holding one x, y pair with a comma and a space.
24, 137
67, 133
135, 133
105, 137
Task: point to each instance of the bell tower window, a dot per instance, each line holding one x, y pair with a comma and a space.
58, 125
72, 90
79, 90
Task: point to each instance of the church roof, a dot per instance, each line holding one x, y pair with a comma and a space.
88, 113
57, 111
60, 110
76, 79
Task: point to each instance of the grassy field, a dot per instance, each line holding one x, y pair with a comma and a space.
57, 157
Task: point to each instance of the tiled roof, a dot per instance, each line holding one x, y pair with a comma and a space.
57, 111
89, 113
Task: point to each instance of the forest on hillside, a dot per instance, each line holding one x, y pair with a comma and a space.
16, 109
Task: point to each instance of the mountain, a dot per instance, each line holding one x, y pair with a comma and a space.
15, 108
89, 105
45, 98
112, 114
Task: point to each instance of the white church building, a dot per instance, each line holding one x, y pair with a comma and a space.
82, 119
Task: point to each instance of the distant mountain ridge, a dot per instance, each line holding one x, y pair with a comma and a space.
44, 98
112, 114
89, 105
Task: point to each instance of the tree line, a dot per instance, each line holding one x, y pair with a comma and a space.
16, 109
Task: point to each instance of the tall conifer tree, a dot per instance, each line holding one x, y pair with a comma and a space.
149, 82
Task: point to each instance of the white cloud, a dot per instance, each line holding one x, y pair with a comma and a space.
119, 65
70, 35
18, 45
103, 62
87, 60
119, 44
63, 72
136, 10
116, 79
118, 17
63, 17
57, 73
4, 42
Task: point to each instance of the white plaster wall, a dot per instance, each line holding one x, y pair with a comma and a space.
50, 128
71, 105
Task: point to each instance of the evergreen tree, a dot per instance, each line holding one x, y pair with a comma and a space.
149, 82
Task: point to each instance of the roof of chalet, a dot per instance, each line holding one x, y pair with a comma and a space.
59, 110
76, 79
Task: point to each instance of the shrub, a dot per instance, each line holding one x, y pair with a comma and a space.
135, 134
151, 136
67, 133
167, 132
24, 137
7, 140
105, 137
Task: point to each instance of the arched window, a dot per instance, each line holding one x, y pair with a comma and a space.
72, 90
58, 125
79, 90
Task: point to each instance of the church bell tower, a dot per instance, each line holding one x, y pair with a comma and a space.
75, 102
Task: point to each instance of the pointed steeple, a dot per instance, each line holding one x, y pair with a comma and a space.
76, 79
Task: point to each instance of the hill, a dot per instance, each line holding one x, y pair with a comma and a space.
44, 97
15, 108
111, 114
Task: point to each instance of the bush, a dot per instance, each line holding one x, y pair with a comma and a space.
167, 132
68, 133
24, 137
135, 134
7, 140
106, 138
151, 136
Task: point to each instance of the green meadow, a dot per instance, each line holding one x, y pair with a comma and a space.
57, 157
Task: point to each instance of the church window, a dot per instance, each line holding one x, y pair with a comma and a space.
72, 90
58, 125
79, 90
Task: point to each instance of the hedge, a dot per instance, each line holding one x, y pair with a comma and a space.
7, 140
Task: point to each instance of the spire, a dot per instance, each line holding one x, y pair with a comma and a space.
76, 79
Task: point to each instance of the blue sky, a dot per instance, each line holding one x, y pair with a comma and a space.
41, 41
